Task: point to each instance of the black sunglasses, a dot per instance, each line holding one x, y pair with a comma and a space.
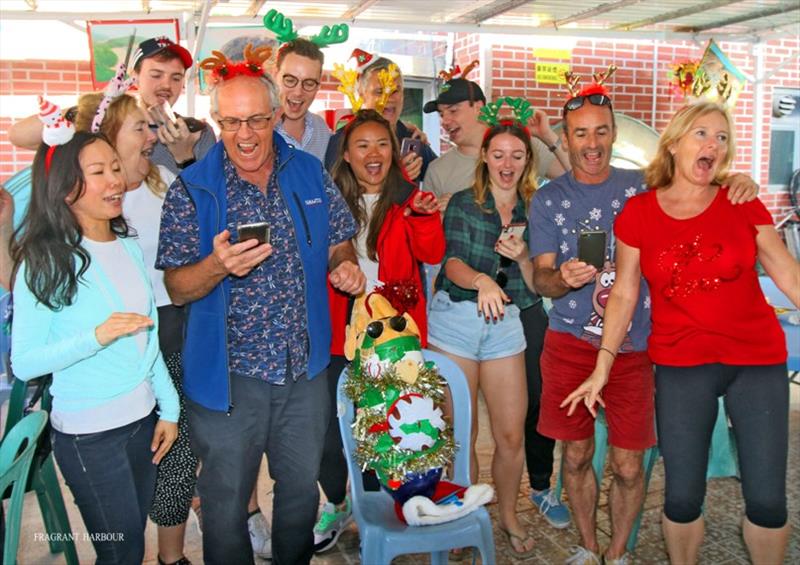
501, 277
375, 329
578, 101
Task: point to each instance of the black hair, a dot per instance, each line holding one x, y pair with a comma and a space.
49, 238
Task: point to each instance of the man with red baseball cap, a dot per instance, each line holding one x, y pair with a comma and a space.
159, 65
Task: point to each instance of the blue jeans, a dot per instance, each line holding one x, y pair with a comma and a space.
287, 422
112, 478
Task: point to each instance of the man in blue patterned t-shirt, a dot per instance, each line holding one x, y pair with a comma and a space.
258, 332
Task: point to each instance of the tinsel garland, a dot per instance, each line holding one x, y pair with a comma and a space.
374, 398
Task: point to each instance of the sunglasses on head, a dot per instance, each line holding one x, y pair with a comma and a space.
578, 101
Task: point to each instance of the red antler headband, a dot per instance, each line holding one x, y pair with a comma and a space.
223, 69
57, 131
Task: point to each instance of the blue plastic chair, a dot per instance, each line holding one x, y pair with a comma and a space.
383, 535
16, 456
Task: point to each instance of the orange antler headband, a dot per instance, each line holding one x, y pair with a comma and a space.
223, 68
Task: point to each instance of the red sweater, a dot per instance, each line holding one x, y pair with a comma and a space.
707, 304
403, 244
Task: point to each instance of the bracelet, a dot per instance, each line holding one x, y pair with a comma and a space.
614, 355
552, 148
475, 278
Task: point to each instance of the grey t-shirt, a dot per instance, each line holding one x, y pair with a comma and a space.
455, 171
559, 211
162, 156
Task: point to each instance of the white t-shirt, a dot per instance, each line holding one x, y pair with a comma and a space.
142, 209
368, 266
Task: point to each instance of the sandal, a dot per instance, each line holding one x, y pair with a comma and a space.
511, 537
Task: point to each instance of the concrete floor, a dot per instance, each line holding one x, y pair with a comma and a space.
723, 543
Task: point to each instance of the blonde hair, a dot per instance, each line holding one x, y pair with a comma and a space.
661, 170
116, 113
527, 182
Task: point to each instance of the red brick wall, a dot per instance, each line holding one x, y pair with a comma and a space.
513, 74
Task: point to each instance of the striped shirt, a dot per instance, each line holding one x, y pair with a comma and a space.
315, 136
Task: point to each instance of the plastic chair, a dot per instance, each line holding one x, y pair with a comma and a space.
43, 479
599, 463
383, 536
16, 456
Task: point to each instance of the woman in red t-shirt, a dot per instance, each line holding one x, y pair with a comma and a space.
713, 332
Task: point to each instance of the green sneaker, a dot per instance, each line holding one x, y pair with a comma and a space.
330, 525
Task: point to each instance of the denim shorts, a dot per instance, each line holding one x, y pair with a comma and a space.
458, 328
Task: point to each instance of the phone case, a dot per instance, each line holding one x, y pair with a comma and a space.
592, 248
259, 231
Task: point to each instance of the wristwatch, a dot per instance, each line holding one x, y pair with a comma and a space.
186, 163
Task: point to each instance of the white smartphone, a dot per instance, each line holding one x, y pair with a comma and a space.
517, 230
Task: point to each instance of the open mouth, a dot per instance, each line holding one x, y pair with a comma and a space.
706, 163
373, 169
246, 148
593, 157
115, 198
453, 132
294, 105
147, 152
507, 176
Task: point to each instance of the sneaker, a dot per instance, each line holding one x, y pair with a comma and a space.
624, 559
259, 535
551, 508
579, 555
330, 525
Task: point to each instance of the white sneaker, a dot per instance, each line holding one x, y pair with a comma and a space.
330, 525
260, 536
579, 555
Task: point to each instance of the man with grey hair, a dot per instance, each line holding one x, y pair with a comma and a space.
370, 89
258, 333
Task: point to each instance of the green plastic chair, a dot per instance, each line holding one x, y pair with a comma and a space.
43, 478
16, 457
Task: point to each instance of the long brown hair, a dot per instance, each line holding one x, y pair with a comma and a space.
527, 185
117, 111
392, 192
660, 171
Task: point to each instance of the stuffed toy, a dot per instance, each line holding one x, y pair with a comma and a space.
399, 429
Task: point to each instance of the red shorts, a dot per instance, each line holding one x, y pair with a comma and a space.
566, 362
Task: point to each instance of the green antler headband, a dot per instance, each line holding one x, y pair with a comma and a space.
520, 108
284, 31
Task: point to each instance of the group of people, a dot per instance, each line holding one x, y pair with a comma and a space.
135, 286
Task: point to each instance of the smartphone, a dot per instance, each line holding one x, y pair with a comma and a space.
517, 230
410, 144
592, 248
167, 110
194, 124
257, 230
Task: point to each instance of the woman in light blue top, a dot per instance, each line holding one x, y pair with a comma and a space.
84, 311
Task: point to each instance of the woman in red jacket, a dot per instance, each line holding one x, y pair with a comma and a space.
400, 228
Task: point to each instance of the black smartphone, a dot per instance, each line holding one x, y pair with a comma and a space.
194, 124
257, 230
592, 248
410, 144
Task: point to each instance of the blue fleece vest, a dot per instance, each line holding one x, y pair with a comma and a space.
206, 378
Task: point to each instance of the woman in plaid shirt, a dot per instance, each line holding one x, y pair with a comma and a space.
475, 314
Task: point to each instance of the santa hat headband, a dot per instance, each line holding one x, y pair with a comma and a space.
56, 131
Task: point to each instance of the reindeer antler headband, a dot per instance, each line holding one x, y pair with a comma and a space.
388, 79
456, 72
284, 31
572, 81
222, 68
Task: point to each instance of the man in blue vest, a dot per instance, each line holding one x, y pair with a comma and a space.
258, 332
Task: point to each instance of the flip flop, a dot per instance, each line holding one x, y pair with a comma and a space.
519, 554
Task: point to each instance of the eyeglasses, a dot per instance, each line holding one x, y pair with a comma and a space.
253, 122
501, 277
375, 329
308, 84
578, 101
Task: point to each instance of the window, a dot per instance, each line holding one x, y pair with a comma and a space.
784, 149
